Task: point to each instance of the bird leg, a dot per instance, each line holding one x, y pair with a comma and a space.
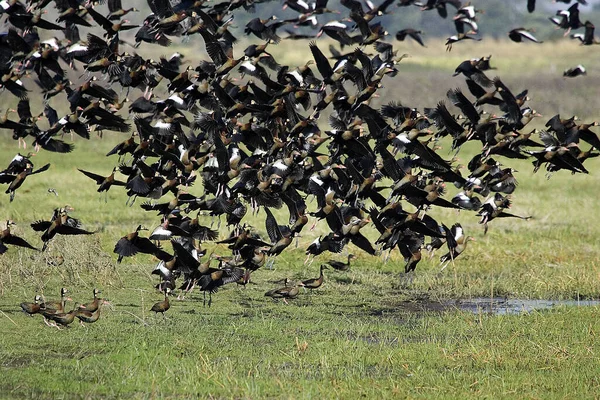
445, 265
270, 263
387, 256
307, 258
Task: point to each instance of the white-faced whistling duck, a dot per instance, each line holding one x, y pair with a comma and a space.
164, 305
57, 226
494, 208
6, 237
588, 37
315, 283
16, 180
104, 182
286, 292
89, 316
61, 318
457, 243
413, 33
32, 308
212, 282
131, 244
340, 265
281, 236
457, 38
244, 237
55, 305
95, 303
469, 69
117, 11
410, 248
518, 34
331, 242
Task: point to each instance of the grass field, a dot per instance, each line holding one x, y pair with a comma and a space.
365, 333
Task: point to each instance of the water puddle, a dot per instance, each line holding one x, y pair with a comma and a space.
501, 306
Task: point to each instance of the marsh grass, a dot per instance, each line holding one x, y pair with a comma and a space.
367, 332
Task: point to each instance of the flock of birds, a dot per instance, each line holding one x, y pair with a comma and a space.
54, 312
249, 131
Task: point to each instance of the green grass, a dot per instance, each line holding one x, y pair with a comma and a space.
362, 333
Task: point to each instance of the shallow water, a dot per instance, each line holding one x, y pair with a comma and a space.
501, 306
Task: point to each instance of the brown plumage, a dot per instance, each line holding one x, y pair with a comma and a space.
57, 226
315, 283
131, 244
87, 316
162, 306
104, 182
340, 265
32, 308
6, 237
64, 319
95, 304
286, 292
57, 306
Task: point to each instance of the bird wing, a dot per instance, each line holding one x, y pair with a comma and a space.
100, 19
272, 228
41, 226
7, 178
362, 242
322, 63
42, 169
98, 178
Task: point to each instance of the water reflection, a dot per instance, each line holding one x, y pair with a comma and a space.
502, 306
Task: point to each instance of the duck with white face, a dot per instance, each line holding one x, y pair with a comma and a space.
6, 237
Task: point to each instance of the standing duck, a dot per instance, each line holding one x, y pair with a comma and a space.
340, 265
57, 306
162, 306
61, 318
94, 304
32, 308
315, 283
88, 316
